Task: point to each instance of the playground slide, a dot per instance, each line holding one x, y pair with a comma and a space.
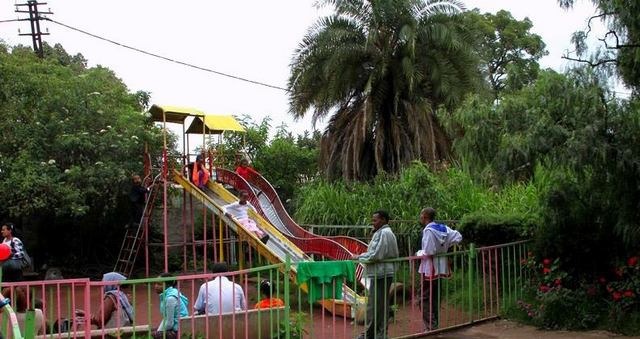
279, 246
266, 200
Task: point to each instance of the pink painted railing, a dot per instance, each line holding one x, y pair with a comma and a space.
483, 282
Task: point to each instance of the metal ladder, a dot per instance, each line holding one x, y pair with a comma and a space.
134, 235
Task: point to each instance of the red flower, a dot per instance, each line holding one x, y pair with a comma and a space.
544, 288
546, 262
591, 291
602, 280
633, 261
557, 282
609, 289
628, 294
616, 296
618, 272
546, 270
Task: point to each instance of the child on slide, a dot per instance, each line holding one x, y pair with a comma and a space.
240, 211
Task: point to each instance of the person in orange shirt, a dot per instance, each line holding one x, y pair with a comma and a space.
268, 301
200, 175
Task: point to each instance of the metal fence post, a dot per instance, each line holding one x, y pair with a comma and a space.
472, 256
287, 301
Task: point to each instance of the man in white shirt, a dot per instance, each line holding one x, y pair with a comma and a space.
436, 239
220, 295
240, 211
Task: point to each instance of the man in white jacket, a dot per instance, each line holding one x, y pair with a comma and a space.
436, 240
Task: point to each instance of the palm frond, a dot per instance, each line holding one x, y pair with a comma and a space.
380, 69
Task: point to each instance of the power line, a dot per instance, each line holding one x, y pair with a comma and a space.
167, 58
9, 20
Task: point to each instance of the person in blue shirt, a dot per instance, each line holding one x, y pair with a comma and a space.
173, 306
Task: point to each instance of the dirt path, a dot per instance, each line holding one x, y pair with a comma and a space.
509, 329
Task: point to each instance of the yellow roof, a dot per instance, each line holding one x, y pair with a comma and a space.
173, 114
215, 124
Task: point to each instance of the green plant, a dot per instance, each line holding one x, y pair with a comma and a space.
483, 228
296, 325
624, 289
550, 304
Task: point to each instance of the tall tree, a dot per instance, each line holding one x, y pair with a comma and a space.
379, 69
73, 137
508, 50
583, 146
621, 43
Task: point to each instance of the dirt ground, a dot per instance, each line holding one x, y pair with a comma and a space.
509, 329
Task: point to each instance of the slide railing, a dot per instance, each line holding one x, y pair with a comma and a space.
270, 207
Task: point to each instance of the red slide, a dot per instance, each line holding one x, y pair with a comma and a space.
267, 203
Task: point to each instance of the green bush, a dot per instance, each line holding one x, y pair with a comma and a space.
551, 300
452, 192
492, 228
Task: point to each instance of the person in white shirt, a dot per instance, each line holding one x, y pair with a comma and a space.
220, 295
436, 239
20, 299
240, 211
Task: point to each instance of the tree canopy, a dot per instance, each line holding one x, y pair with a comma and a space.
73, 137
508, 51
621, 43
379, 69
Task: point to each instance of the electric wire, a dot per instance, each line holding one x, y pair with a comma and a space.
164, 57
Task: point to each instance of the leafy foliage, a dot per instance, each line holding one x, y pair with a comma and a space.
621, 42
508, 51
554, 299
379, 69
451, 192
288, 162
482, 228
237, 145
76, 136
506, 141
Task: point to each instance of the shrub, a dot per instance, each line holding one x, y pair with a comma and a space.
492, 228
551, 301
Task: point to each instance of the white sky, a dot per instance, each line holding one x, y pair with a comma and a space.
254, 39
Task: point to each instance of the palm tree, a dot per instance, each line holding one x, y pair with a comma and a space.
381, 68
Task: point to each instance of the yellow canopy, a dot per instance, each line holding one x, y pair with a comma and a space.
215, 124
174, 114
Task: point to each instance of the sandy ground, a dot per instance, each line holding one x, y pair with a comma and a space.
509, 329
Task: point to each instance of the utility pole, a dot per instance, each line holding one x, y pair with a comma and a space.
34, 18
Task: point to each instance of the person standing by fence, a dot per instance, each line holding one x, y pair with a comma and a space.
173, 306
383, 246
19, 260
436, 240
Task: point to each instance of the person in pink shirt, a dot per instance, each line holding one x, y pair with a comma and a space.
240, 211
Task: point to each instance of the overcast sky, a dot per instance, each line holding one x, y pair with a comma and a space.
254, 39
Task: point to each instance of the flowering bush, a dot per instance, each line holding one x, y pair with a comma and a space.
552, 304
625, 286
556, 301
546, 274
